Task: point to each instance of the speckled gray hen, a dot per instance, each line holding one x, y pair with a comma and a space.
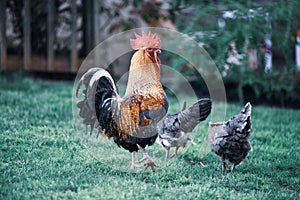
174, 129
230, 139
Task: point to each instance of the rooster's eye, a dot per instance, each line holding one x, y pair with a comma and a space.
150, 50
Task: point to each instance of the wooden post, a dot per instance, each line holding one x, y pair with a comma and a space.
3, 54
50, 34
96, 30
74, 51
27, 36
88, 32
96, 22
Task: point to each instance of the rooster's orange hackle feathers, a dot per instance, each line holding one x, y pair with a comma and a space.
145, 41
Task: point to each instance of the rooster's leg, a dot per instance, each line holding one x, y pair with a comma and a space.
143, 158
175, 154
133, 164
149, 161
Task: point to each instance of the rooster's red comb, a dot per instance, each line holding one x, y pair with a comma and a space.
145, 41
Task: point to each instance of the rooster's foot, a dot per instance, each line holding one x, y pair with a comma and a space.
150, 163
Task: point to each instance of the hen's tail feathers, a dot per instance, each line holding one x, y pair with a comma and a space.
205, 108
87, 106
192, 116
241, 123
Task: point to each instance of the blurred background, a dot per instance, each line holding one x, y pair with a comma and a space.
255, 44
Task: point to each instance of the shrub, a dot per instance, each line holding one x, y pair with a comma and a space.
249, 27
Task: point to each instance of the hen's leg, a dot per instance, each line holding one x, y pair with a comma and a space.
167, 152
232, 167
149, 161
223, 166
175, 154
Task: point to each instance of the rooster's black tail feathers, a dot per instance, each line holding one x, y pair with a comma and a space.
98, 92
105, 103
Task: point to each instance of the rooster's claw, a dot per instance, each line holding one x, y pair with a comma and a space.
151, 164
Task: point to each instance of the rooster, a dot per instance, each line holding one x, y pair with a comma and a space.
130, 120
230, 139
174, 128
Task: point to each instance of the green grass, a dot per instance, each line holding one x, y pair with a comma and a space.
44, 156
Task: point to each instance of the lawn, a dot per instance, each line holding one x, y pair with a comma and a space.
44, 156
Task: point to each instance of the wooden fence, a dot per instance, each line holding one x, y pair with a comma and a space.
49, 63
